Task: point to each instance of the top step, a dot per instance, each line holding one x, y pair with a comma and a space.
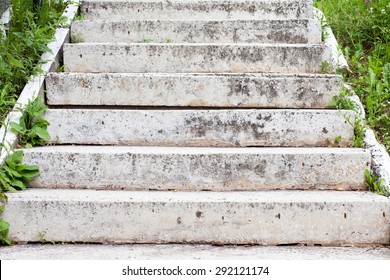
192, 10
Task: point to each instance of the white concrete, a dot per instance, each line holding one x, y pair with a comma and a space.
281, 217
4, 21
203, 9
194, 58
188, 252
185, 168
193, 90
209, 128
380, 158
198, 31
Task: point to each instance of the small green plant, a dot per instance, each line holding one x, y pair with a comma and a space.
360, 132
343, 101
42, 236
324, 26
326, 67
77, 38
79, 16
4, 231
168, 40
60, 68
374, 184
145, 41
14, 175
31, 128
337, 140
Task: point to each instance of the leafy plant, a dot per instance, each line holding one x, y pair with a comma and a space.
14, 176
343, 101
77, 38
4, 231
337, 140
326, 67
31, 128
42, 236
375, 185
79, 16
360, 132
324, 26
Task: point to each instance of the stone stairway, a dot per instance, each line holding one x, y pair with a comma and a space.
198, 122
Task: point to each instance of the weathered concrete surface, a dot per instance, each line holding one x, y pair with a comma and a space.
194, 58
188, 252
199, 31
185, 168
223, 128
193, 90
282, 217
4, 5
204, 9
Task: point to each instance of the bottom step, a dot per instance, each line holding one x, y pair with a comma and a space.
188, 252
267, 218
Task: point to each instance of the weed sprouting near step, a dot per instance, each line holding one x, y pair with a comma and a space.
343, 101
375, 185
32, 129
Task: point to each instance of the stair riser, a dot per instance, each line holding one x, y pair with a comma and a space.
256, 91
195, 58
203, 10
196, 169
205, 218
298, 31
200, 127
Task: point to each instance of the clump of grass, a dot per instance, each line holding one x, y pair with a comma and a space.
375, 185
343, 101
362, 28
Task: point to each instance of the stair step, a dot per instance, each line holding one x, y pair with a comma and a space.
186, 168
184, 9
193, 90
224, 128
194, 58
188, 252
198, 31
267, 218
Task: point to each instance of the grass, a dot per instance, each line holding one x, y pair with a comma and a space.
28, 35
362, 28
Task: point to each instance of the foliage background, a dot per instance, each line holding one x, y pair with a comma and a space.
362, 28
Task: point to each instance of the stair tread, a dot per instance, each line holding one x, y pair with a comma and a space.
201, 57
267, 218
195, 127
197, 31
186, 168
271, 196
197, 9
190, 252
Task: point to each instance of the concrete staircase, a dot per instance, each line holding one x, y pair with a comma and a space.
198, 122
